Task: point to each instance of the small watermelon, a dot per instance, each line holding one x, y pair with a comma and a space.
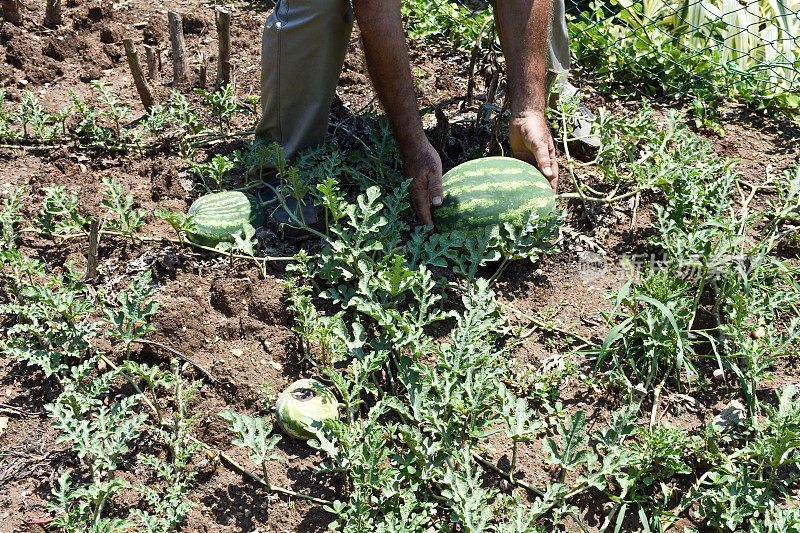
303, 402
219, 214
490, 191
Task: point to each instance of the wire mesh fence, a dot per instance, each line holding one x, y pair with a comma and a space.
658, 48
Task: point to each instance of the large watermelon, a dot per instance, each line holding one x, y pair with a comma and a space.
219, 214
303, 402
492, 190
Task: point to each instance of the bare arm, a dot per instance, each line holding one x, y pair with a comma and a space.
523, 26
387, 61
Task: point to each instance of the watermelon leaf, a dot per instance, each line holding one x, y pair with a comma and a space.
521, 424
131, 320
569, 456
253, 434
245, 240
465, 493
332, 199
479, 250
130, 219
59, 214
180, 223
532, 239
432, 250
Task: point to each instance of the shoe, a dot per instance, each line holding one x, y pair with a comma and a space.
261, 173
288, 228
584, 145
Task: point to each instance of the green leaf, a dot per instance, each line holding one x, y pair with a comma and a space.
253, 434
569, 454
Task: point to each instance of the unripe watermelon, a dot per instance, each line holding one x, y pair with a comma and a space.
219, 214
303, 402
490, 191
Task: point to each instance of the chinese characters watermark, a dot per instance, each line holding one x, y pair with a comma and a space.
592, 267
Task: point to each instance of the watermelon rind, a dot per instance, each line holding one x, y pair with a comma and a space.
490, 191
302, 403
218, 215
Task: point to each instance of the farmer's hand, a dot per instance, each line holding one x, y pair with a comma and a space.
424, 166
531, 141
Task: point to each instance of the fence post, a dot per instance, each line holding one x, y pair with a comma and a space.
12, 12
52, 14
178, 48
223, 17
138, 76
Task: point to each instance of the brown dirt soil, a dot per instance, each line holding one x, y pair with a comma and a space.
234, 323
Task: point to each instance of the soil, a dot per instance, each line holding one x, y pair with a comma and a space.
234, 323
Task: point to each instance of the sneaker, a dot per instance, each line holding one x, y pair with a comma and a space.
288, 227
584, 144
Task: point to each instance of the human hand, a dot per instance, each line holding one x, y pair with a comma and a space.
531, 141
424, 166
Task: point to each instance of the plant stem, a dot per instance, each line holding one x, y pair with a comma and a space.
266, 476
173, 241
155, 409
176, 353
604, 200
656, 396
607, 521
98, 515
506, 475
242, 470
498, 271
549, 327
513, 460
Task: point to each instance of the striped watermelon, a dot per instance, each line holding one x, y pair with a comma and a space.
303, 402
219, 214
490, 191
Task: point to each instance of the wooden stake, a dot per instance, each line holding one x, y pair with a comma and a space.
202, 81
178, 48
138, 76
94, 241
150, 54
473, 58
12, 12
223, 17
52, 14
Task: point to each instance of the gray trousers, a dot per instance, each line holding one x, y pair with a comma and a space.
558, 43
302, 52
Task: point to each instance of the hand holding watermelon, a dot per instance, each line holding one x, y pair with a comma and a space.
531, 141
424, 166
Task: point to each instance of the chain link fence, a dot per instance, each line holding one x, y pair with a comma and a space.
655, 47
748, 50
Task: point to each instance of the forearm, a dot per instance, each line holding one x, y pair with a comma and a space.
387, 61
523, 25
